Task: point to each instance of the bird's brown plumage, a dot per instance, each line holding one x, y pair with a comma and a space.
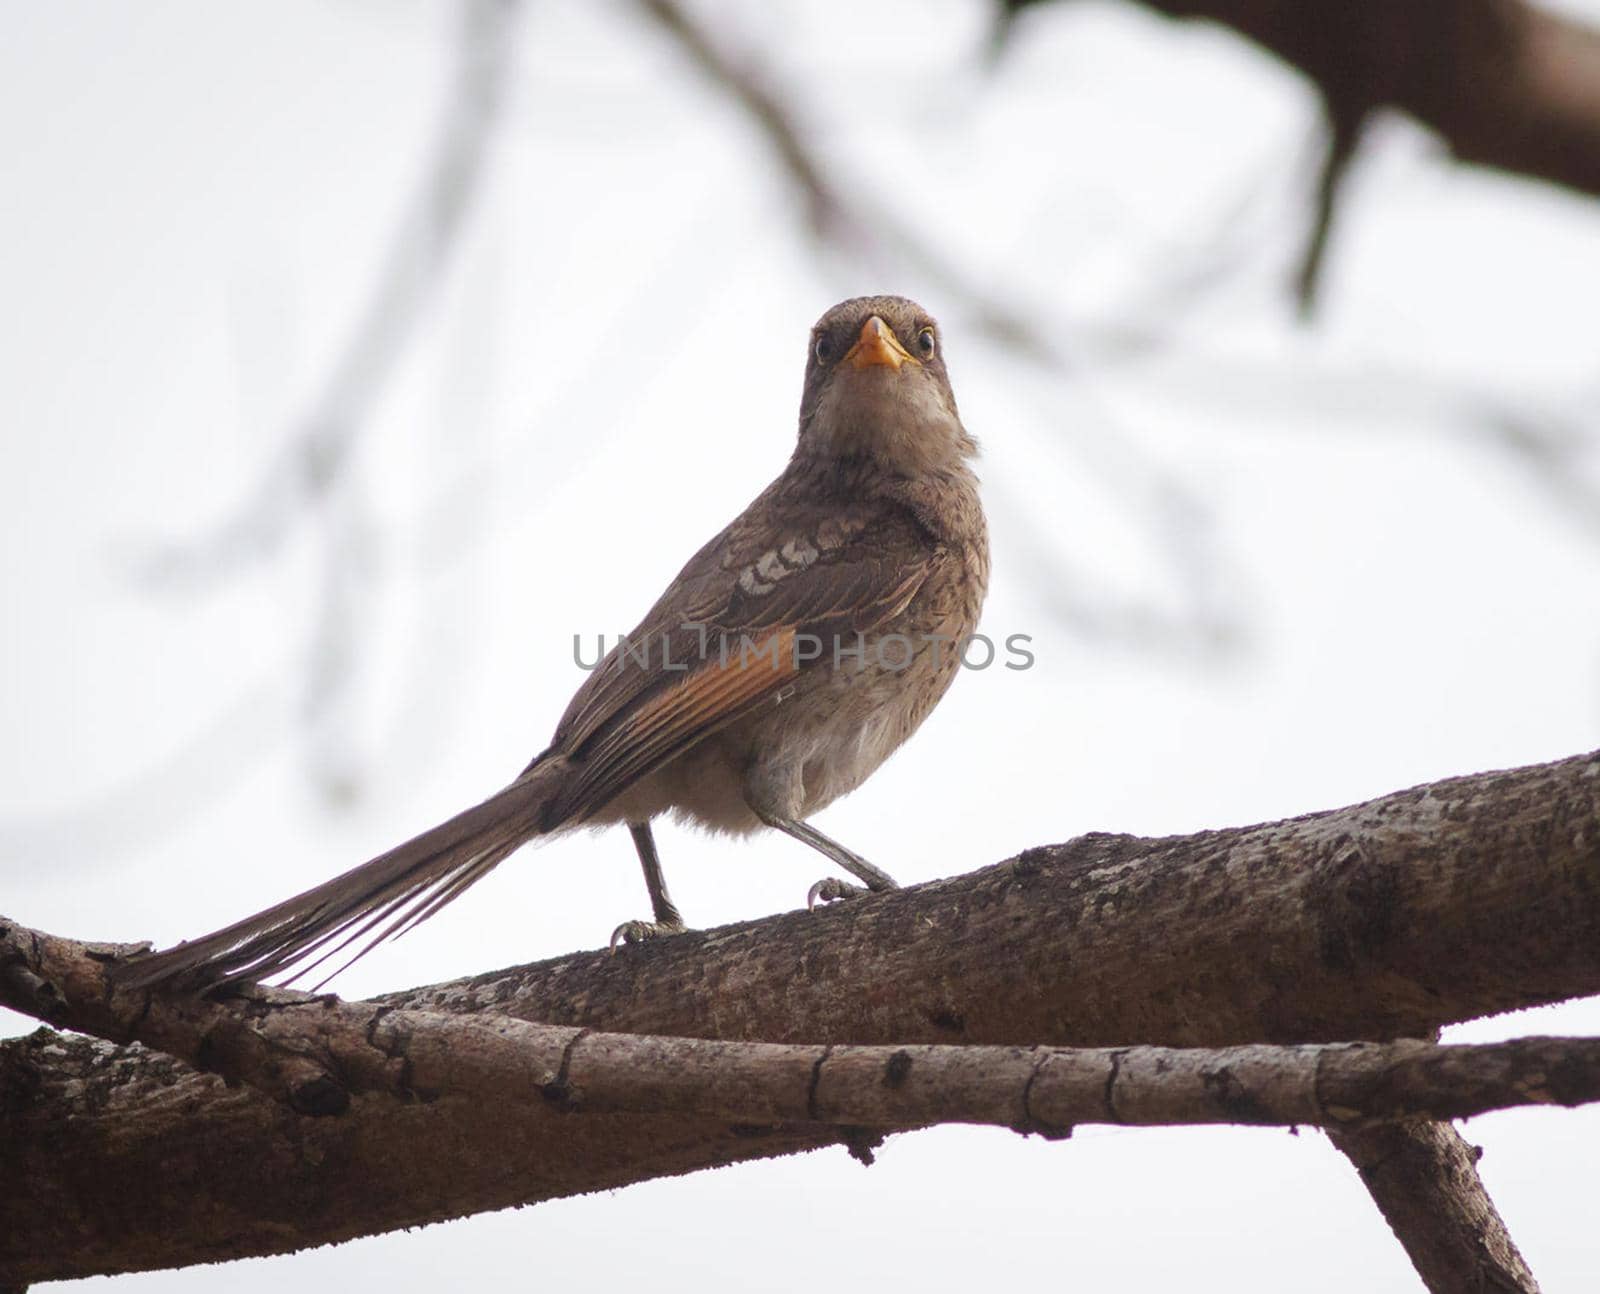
714, 709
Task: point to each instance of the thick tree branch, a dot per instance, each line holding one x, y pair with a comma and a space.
316, 1051
1434, 905
131, 1161
1392, 918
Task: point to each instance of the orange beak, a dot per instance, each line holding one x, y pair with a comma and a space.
877, 344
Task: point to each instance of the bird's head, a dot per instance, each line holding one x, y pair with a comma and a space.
876, 387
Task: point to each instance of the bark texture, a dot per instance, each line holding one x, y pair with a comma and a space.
315, 1053
1387, 919
1424, 1179
1394, 917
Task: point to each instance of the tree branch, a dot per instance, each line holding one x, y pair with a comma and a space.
1424, 1179
314, 1052
1345, 124
1429, 906
1503, 83
1393, 918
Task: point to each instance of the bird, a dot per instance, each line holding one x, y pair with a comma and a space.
792, 654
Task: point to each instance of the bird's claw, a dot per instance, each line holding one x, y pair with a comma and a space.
829, 890
633, 932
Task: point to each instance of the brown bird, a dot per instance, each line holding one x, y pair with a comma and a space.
789, 658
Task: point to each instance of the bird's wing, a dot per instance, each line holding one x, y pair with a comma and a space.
725, 637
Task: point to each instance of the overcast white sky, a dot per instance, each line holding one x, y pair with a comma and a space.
197, 201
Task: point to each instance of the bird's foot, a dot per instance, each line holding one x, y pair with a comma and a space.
635, 932
830, 889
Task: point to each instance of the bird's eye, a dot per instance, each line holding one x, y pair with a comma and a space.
926, 343
823, 349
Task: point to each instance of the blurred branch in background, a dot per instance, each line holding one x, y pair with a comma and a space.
1554, 440
838, 216
1504, 84
309, 481
308, 484
1560, 453
311, 466
1345, 120
96, 833
1169, 509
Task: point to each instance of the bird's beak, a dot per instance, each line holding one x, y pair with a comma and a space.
877, 344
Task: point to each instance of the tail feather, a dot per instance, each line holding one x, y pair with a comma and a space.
404, 886
417, 908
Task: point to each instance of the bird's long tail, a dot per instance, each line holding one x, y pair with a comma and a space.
365, 905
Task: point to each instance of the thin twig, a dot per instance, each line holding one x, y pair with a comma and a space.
1345, 121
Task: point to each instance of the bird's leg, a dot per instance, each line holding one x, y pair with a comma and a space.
667, 921
831, 887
